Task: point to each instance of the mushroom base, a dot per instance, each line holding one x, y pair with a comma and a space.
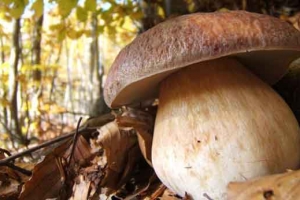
216, 123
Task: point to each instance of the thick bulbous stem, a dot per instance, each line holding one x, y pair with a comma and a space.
217, 122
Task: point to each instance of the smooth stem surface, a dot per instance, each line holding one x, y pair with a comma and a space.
216, 123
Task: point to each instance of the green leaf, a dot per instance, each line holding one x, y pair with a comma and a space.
4, 13
17, 8
1, 30
112, 2
160, 12
57, 27
73, 34
122, 21
38, 8
62, 35
88, 33
4, 68
223, 10
4, 102
100, 29
81, 14
130, 4
66, 6
118, 9
60, 31
6, 2
111, 30
107, 16
136, 15
90, 5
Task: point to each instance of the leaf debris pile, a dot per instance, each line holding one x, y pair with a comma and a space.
107, 163
112, 160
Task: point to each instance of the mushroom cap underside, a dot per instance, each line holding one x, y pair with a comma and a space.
264, 44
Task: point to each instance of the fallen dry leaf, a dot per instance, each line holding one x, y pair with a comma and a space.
143, 124
142, 190
10, 190
44, 174
295, 21
52, 172
169, 195
133, 155
93, 174
111, 167
284, 186
117, 145
81, 189
158, 192
6, 171
10, 180
151, 191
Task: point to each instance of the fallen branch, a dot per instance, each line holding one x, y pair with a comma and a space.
19, 169
86, 128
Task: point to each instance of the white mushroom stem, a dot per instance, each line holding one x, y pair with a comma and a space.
216, 123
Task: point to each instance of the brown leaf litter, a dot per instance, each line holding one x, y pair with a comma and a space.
109, 164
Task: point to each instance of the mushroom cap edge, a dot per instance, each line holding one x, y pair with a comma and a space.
264, 44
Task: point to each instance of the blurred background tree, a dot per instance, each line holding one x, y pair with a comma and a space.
55, 54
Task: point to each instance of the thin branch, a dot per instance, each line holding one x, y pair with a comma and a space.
5, 151
33, 149
88, 127
14, 167
75, 138
19, 169
10, 133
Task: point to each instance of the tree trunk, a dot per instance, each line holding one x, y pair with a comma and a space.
151, 9
69, 90
98, 105
36, 49
150, 18
4, 120
4, 96
55, 74
14, 84
37, 72
2, 50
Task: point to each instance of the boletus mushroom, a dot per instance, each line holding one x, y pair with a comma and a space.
218, 119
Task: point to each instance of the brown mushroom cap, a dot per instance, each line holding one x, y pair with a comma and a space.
264, 44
